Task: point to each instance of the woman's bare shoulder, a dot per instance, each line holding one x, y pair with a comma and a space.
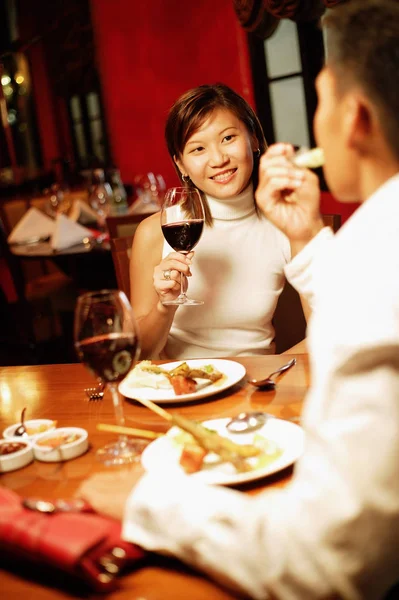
149, 233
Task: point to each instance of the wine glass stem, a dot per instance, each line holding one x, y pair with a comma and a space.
182, 292
118, 406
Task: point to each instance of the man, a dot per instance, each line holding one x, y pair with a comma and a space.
334, 531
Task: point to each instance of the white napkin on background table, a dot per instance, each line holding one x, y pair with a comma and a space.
82, 213
67, 233
33, 225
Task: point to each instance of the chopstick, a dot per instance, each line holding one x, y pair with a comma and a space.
144, 433
155, 408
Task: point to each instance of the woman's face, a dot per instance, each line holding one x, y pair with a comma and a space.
218, 157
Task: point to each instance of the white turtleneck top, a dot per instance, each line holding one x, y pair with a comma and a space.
238, 271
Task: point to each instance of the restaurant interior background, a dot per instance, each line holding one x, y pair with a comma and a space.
88, 84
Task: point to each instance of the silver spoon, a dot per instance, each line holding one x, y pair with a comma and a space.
247, 421
268, 382
21, 429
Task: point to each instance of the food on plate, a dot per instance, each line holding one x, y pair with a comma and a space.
182, 379
211, 441
11, 447
257, 455
192, 457
58, 440
41, 428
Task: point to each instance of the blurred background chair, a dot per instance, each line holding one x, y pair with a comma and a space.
121, 249
38, 299
124, 225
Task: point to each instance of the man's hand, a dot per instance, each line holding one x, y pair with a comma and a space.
107, 492
289, 196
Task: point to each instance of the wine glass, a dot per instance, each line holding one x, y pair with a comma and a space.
107, 342
182, 222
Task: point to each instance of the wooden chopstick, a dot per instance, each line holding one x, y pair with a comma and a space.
144, 433
155, 408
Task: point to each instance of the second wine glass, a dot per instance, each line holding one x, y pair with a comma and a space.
182, 222
107, 342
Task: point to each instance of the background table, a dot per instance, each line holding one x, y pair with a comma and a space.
89, 265
56, 392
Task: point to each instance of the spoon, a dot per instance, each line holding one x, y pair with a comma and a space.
247, 421
21, 429
268, 382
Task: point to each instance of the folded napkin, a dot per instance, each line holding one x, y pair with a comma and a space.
85, 545
34, 225
82, 213
68, 233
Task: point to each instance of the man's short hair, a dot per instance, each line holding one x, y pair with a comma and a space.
363, 49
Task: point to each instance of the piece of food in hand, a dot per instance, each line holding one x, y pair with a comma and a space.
310, 159
192, 458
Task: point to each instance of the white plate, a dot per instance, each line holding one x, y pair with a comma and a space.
232, 371
164, 454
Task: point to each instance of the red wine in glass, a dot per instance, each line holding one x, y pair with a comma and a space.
107, 342
182, 223
109, 357
183, 236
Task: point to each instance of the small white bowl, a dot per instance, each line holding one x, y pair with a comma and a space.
65, 451
42, 425
18, 459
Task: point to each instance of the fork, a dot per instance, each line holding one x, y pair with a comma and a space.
95, 393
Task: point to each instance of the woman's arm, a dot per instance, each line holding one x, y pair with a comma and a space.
147, 285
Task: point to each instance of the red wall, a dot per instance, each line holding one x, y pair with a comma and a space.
149, 53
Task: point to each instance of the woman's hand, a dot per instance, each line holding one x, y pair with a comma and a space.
174, 266
289, 196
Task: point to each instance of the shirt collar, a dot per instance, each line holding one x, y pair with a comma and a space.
233, 208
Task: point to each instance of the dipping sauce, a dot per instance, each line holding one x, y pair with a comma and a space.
11, 447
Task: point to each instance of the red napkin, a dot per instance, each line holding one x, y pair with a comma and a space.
84, 544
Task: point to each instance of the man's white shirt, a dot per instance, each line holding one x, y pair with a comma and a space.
334, 530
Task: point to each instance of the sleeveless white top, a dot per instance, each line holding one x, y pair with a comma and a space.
237, 270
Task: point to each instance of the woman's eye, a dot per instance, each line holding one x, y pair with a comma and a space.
196, 150
228, 138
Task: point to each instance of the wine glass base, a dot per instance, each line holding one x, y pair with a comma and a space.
121, 452
183, 302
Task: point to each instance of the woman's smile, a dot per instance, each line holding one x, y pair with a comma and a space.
224, 176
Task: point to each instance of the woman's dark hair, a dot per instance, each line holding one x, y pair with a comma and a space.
194, 107
363, 50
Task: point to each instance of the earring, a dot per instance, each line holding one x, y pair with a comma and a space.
257, 153
186, 178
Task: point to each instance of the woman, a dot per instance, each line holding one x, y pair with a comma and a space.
215, 140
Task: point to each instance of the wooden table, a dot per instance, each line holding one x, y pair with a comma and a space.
56, 392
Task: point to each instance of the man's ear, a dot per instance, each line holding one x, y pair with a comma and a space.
360, 123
